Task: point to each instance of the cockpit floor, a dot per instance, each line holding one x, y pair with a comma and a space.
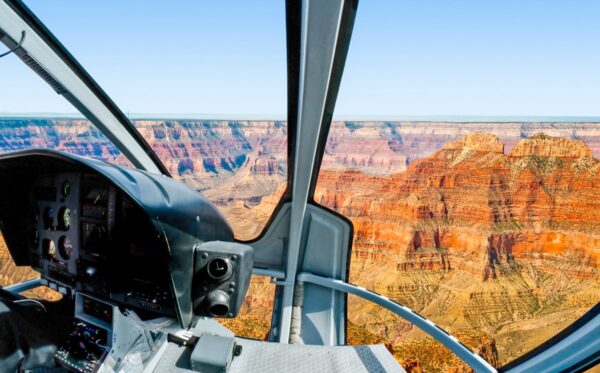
267, 357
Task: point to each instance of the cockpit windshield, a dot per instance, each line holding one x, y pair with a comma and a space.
463, 157
204, 84
467, 157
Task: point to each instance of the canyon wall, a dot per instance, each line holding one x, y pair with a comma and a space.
477, 238
237, 163
489, 229
384, 147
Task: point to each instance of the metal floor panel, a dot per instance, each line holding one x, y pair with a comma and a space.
267, 357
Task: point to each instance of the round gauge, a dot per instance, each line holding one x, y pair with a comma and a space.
218, 268
66, 188
65, 247
49, 218
49, 249
36, 213
64, 218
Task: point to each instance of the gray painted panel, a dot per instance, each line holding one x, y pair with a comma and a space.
324, 310
269, 249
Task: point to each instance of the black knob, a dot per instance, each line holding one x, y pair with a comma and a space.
219, 269
217, 303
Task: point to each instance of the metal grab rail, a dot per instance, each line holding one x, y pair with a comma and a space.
265, 272
464, 353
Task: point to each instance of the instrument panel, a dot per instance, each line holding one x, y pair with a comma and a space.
89, 237
123, 236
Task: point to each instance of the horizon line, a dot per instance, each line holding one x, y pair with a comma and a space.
277, 117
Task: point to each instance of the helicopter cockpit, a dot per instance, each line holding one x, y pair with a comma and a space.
147, 274
106, 239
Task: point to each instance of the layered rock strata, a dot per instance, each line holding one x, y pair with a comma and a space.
477, 238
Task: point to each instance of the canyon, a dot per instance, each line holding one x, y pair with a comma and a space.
500, 248
237, 163
491, 230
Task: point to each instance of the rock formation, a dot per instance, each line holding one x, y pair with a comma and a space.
477, 240
492, 230
237, 162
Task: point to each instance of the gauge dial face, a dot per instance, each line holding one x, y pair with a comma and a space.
49, 218
65, 247
49, 249
64, 218
66, 188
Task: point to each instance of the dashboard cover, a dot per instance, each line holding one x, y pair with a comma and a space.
182, 217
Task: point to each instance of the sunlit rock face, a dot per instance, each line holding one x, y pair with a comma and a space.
542, 145
475, 202
384, 146
74, 136
210, 148
235, 164
477, 240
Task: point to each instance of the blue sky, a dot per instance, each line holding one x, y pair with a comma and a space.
416, 57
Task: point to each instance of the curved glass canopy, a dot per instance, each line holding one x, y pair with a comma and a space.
211, 111
447, 158
242, 160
